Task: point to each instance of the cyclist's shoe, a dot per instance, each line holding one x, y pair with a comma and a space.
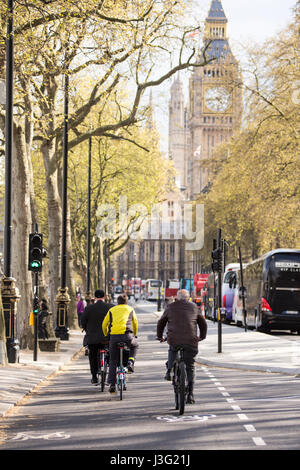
130, 367
190, 399
112, 389
94, 380
168, 376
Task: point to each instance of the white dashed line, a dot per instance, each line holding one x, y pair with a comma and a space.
236, 408
242, 417
249, 427
259, 441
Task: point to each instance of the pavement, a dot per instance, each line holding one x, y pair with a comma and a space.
249, 350
240, 349
19, 379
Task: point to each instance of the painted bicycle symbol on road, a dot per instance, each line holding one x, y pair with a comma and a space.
23, 436
191, 418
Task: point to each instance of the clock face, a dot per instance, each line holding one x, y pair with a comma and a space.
217, 99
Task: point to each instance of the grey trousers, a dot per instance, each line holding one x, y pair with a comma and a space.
114, 353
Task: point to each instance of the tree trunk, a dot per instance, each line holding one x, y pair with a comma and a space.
54, 220
21, 227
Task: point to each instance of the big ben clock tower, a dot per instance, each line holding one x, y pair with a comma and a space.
215, 100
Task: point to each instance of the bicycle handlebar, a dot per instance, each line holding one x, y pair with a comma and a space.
162, 340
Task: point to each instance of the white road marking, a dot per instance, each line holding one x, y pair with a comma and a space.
236, 408
242, 417
184, 418
249, 427
259, 441
23, 436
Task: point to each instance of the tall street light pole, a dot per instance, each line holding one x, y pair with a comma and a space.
9, 136
88, 296
63, 298
9, 292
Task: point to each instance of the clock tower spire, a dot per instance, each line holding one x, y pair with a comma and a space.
215, 100
216, 22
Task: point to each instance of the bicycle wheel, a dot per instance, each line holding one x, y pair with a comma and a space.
102, 370
176, 386
103, 377
181, 387
121, 388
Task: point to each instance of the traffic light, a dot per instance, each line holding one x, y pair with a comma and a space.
217, 264
35, 305
36, 252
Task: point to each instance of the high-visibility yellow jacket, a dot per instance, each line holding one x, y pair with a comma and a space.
119, 320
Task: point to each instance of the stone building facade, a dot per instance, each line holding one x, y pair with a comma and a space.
210, 117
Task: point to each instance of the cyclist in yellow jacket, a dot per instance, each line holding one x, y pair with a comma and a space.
121, 325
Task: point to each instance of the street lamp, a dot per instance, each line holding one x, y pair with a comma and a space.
63, 298
88, 296
9, 291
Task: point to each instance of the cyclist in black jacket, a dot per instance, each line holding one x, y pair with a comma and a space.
91, 322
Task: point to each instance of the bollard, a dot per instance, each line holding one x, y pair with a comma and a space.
62, 300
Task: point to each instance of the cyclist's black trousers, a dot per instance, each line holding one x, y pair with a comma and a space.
114, 353
189, 355
93, 356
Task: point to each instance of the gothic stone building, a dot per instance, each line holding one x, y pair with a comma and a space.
214, 107
210, 117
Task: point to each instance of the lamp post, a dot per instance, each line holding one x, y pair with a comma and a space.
63, 298
9, 291
88, 296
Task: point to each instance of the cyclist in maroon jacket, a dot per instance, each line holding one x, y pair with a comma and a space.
182, 318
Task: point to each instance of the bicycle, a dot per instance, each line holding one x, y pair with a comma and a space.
121, 370
180, 380
103, 355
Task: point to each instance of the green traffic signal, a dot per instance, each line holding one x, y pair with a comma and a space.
35, 264
36, 252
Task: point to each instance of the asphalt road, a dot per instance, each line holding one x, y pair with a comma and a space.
234, 410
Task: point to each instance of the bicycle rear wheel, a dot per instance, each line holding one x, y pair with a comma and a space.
103, 377
121, 389
102, 371
181, 387
176, 385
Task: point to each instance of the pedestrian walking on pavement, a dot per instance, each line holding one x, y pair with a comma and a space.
182, 318
91, 322
80, 309
42, 320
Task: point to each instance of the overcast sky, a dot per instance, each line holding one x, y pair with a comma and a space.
248, 21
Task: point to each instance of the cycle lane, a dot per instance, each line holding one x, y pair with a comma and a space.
68, 413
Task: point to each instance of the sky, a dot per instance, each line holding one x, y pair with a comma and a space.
249, 21
254, 19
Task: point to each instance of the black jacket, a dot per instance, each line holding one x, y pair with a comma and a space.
92, 319
182, 319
